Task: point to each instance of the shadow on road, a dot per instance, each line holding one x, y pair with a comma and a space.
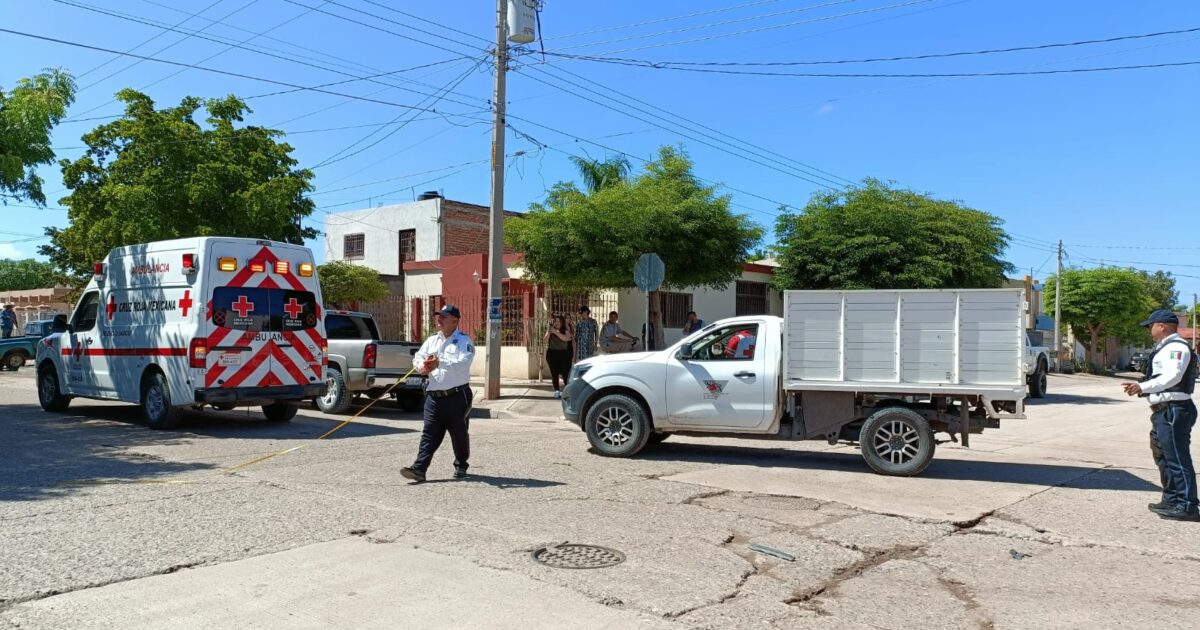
1049, 475
45, 453
1072, 399
501, 482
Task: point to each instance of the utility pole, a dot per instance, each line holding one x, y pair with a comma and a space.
496, 249
1058, 312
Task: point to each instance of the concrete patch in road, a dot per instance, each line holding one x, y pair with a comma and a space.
348, 583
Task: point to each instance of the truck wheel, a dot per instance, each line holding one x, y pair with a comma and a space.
617, 426
14, 360
156, 403
1037, 382
49, 393
897, 441
411, 400
336, 399
280, 411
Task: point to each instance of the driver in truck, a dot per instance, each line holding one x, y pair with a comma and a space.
741, 345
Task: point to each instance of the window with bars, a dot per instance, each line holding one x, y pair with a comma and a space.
408, 245
354, 246
676, 306
752, 298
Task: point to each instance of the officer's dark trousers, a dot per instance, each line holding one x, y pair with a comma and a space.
1171, 444
442, 415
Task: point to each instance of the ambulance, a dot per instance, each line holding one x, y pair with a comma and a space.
222, 322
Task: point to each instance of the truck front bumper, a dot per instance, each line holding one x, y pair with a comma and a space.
574, 396
259, 394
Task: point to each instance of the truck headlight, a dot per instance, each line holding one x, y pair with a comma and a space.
577, 371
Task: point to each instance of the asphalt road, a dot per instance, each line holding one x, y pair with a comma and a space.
1042, 524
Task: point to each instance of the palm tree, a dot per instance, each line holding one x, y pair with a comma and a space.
600, 174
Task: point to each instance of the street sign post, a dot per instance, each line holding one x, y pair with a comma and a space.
648, 275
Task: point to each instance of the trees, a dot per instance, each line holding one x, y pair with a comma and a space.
879, 237
1160, 286
578, 240
21, 275
27, 114
598, 174
1102, 302
160, 174
343, 283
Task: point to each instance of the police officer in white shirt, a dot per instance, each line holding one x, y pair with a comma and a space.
446, 359
1169, 381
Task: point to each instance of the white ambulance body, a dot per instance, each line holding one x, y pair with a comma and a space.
214, 321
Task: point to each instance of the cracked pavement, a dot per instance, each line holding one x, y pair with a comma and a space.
1041, 524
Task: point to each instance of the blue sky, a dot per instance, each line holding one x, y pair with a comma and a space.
1105, 161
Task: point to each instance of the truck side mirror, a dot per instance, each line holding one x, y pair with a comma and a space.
685, 353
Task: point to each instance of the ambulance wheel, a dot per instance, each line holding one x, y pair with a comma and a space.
49, 393
617, 426
897, 442
336, 398
280, 411
156, 403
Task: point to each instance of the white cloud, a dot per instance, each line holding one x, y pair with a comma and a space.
824, 109
9, 251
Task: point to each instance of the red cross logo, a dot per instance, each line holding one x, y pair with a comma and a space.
293, 308
111, 307
186, 302
242, 306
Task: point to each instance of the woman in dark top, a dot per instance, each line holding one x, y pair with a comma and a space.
558, 351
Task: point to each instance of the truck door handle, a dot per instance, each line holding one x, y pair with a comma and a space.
744, 374
88, 341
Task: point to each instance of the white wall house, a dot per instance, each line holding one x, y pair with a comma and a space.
375, 237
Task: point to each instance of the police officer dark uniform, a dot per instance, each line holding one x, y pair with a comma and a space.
1170, 379
445, 359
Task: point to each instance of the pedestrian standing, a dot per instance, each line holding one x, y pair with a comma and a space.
445, 359
1170, 379
8, 321
558, 351
693, 323
587, 333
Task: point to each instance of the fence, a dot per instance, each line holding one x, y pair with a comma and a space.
411, 318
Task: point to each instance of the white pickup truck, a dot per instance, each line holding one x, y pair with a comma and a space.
884, 369
1037, 365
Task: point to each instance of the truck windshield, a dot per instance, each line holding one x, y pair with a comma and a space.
265, 310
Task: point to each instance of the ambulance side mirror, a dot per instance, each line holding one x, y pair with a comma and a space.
59, 324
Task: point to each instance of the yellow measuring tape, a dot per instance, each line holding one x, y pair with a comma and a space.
230, 470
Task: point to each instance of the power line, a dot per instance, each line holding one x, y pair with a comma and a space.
710, 25
212, 70
152, 38
990, 51
379, 28
622, 27
427, 21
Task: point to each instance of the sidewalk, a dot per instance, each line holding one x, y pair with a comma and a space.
518, 398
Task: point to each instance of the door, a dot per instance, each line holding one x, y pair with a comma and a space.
260, 337
724, 382
82, 357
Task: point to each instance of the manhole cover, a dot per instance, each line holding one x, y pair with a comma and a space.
571, 556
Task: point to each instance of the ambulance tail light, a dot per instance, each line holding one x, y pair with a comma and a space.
325, 354
306, 270
189, 264
227, 263
98, 270
198, 353
370, 354
282, 267
257, 266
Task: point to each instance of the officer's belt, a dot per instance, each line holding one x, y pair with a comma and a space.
1163, 405
442, 393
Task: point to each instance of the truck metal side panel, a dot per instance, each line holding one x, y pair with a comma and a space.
923, 340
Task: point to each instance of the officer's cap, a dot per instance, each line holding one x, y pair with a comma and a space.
449, 310
1161, 316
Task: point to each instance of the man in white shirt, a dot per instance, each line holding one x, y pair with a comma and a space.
446, 359
1169, 381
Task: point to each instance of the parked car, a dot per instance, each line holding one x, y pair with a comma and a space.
1037, 365
362, 364
1137, 361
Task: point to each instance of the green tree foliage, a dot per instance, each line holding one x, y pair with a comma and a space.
343, 284
1101, 303
598, 174
160, 174
879, 237
20, 275
578, 240
27, 114
1160, 286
